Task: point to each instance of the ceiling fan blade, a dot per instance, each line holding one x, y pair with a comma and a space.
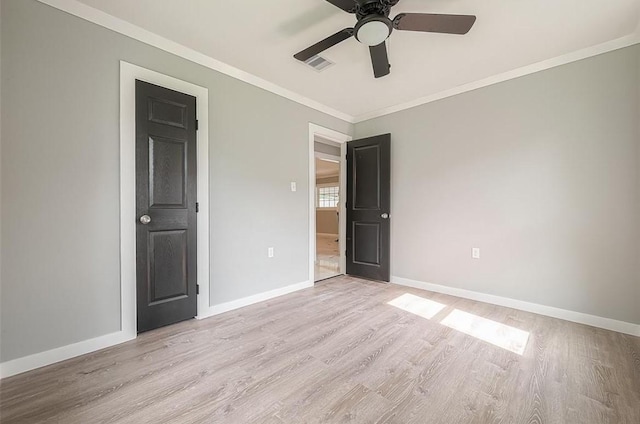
323, 45
348, 6
380, 60
427, 22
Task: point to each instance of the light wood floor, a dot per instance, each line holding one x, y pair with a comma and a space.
339, 353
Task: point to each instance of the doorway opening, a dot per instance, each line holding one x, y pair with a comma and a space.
327, 216
328, 194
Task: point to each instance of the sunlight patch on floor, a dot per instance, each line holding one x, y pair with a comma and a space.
501, 335
417, 305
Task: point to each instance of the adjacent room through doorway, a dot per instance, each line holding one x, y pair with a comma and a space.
327, 165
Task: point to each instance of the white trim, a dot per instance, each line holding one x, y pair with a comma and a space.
256, 298
31, 362
123, 27
88, 13
550, 311
342, 139
128, 75
575, 56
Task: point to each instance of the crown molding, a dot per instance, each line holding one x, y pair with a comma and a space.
88, 13
98, 17
575, 56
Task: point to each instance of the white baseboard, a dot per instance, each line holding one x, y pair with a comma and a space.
38, 360
579, 317
250, 300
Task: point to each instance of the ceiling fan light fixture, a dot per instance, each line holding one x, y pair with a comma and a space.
373, 27
373, 31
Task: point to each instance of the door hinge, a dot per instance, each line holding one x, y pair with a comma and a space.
197, 125
197, 207
197, 288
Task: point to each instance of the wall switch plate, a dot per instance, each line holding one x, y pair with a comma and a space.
270, 252
475, 253
293, 186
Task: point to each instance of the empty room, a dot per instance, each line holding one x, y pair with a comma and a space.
320, 211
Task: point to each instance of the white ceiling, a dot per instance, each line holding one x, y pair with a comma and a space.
261, 36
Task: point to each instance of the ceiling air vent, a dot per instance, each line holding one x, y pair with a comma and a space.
318, 63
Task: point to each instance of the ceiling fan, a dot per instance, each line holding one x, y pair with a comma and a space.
374, 27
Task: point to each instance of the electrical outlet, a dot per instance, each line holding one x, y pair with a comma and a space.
475, 253
293, 186
270, 252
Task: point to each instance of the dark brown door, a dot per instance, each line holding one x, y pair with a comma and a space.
166, 206
368, 205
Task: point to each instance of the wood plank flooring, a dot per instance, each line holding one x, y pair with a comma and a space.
338, 353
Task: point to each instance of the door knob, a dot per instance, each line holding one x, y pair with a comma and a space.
384, 216
145, 219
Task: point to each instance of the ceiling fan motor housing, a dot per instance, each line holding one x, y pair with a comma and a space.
365, 8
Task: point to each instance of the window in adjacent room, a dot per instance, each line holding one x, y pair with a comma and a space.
328, 196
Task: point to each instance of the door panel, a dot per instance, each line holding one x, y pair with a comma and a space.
168, 265
366, 166
368, 205
167, 172
367, 250
164, 111
166, 193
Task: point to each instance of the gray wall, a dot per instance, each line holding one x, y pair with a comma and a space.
0, 177
60, 178
541, 173
638, 195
